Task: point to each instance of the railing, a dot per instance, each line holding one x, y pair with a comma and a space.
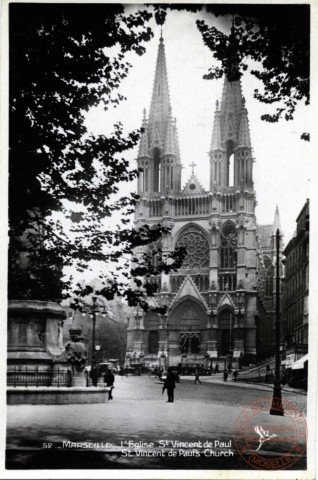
258, 374
28, 377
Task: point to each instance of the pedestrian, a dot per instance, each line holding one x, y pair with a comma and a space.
94, 376
126, 372
169, 385
216, 370
225, 375
235, 374
267, 374
197, 377
109, 379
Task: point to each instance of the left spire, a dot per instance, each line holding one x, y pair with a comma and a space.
159, 155
160, 107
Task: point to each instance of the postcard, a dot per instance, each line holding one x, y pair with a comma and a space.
159, 248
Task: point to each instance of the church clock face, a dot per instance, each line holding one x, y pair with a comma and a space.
197, 248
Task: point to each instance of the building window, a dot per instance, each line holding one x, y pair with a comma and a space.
153, 341
197, 247
156, 170
268, 277
228, 257
154, 250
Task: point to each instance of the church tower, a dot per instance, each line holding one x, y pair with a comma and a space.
159, 155
213, 299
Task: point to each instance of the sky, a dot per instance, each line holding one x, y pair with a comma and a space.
282, 160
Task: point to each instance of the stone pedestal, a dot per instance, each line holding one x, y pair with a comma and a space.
78, 378
34, 333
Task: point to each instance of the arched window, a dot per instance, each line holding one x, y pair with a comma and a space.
230, 163
153, 341
197, 248
228, 257
156, 170
231, 170
268, 277
155, 251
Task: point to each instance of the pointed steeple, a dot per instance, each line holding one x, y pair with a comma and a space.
160, 102
143, 146
171, 141
159, 143
244, 132
231, 107
216, 142
276, 224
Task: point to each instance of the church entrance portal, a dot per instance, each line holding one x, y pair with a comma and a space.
186, 323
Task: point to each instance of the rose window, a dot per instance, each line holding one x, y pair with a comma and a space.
197, 248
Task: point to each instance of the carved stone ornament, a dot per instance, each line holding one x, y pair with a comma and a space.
39, 328
76, 353
240, 285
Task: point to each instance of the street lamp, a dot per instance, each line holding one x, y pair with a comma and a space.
92, 309
168, 350
277, 406
97, 348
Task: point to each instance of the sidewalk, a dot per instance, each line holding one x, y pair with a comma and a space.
218, 378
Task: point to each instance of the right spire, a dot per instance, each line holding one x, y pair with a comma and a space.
231, 159
276, 224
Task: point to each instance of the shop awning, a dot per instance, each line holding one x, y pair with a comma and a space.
300, 363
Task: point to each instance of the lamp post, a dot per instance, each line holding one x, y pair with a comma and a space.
97, 348
92, 309
277, 406
168, 351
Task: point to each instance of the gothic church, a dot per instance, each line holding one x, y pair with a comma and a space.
224, 289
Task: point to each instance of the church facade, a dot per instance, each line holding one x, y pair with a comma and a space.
218, 299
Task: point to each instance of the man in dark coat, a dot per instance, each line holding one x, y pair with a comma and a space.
197, 377
109, 380
170, 384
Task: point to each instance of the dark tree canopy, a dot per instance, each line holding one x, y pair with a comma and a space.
59, 68
277, 37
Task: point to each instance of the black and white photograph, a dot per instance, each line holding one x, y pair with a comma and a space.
158, 241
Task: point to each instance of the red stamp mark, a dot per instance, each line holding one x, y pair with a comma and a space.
270, 442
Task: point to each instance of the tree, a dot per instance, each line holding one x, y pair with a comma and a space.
112, 338
277, 40
61, 64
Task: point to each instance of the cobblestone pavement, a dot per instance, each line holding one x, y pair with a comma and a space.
139, 412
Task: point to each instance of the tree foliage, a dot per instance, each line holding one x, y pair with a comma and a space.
112, 337
65, 59
276, 38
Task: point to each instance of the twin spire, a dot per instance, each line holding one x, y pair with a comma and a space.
231, 121
160, 129
159, 145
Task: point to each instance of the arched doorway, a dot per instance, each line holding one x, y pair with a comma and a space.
186, 324
226, 338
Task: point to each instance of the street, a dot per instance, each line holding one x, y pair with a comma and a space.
53, 436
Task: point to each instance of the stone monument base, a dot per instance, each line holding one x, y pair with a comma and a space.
56, 396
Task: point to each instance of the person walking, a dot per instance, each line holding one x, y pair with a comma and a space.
169, 385
197, 377
235, 374
225, 375
94, 374
109, 379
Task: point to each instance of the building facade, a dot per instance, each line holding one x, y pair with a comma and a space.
213, 300
296, 289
